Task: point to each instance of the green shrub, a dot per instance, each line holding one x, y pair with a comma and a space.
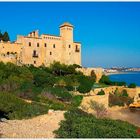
52, 102
60, 93
124, 93
101, 92
86, 83
132, 85
78, 124
105, 80
119, 100
76, 100
16, 108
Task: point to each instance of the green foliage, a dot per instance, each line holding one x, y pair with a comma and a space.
132, 85
101, 92
16, 108
76, 100
124, 93
78, 124
52, 103
105, 80
86, 83
59, 93
5, 36
1, 36
62, 69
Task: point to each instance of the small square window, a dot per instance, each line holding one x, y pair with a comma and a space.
29, 43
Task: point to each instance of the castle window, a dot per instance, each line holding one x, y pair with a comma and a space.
53, 45
34, 62
77, 49
50, 53
69, 46
37, 44
29, 43
8, 53
45, 44
35, 54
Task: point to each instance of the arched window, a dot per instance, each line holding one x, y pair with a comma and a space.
45, 44
53, 45
50, 53
37, 44
34, 52
69, 46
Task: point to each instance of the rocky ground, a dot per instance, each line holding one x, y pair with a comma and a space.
38, 127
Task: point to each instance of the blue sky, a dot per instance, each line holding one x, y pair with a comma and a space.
109, 31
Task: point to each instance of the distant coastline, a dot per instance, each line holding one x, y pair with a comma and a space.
112, 73
128, 77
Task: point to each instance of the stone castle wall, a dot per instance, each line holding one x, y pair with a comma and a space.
87, 71
44, 49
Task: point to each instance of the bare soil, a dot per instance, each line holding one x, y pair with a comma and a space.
37, 127
124, 114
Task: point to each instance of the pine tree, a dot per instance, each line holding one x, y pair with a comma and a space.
1, 36
6, 37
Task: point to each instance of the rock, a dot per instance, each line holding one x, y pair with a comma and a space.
3, 119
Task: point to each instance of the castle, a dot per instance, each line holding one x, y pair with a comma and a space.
44, 49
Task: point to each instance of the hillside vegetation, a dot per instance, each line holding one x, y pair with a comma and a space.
79, 124
47, 87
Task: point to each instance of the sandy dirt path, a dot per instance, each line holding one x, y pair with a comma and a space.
124, 114
38, 127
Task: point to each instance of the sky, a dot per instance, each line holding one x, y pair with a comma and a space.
108, 31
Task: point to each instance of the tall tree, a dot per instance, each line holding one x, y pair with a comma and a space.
6, 37
1, 36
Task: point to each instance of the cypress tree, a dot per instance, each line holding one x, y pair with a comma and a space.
1, 36
6, 37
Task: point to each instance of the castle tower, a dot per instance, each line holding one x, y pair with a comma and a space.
66, 32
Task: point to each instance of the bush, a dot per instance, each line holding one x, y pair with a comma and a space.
86, 83
78, 124
101, 111
119, 100
52, 103
132, 85
16, 108
124, 93
101, 92
105, 80
59, 93
76, 100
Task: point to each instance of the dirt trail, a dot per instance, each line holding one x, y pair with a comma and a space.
38, 127
124, 114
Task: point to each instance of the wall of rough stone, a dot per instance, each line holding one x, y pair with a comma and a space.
101, 99
111, 89
87, 72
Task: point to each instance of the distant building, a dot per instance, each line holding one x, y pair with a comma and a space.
44, 49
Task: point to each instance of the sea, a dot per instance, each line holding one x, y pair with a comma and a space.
128, 77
